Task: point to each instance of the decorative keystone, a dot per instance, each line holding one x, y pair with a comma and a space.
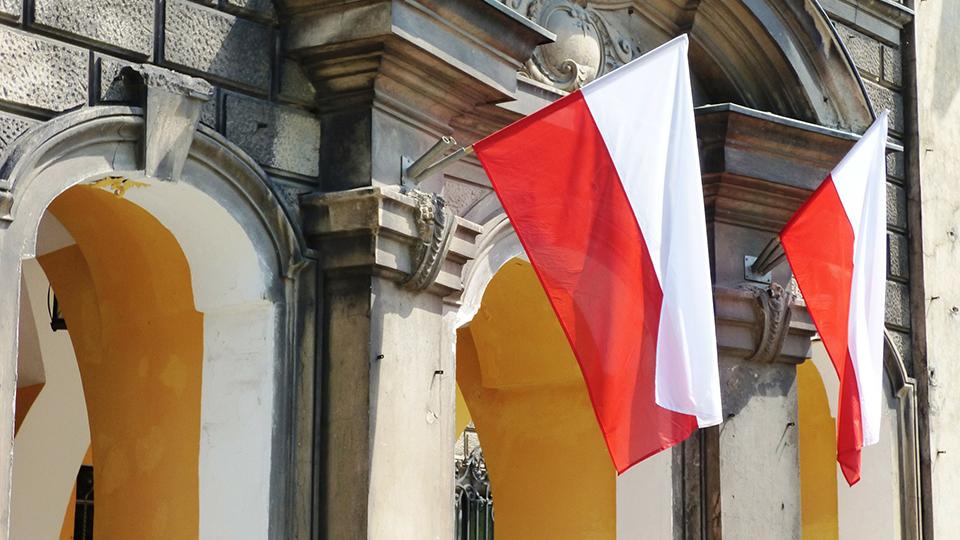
173, 108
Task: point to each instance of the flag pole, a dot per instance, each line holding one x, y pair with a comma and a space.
769, 258
420, 170
430, 157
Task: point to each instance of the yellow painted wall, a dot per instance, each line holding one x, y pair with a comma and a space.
818, 457
550, 472
463, 412
126, 295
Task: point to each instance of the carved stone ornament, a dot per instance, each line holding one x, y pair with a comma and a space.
773, 312
434, 227
586, 47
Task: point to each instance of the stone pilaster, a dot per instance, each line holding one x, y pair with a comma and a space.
757, 170
390, 257
391, 77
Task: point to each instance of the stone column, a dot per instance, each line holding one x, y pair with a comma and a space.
757, 170
392, 77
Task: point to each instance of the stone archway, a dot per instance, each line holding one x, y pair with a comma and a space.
526, 397
247, 271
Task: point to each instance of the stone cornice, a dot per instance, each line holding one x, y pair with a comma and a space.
406, 236
354, 51
758, 168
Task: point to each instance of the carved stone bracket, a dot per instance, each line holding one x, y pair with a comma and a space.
435, 228
773, 313
587, 46
408, 236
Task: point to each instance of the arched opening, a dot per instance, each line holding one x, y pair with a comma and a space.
175, 296
874, 507
124, 288
549, 469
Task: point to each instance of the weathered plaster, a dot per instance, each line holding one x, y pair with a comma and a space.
938, 47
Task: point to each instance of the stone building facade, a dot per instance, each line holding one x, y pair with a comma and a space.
272, 332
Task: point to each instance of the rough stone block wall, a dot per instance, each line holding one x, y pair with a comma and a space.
871, 32
60, 55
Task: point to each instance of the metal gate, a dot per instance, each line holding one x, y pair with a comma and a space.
474, 503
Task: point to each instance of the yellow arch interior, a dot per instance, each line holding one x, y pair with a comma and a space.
126, 294
550, 472
818, 450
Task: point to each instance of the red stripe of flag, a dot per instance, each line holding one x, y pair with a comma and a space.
577, 227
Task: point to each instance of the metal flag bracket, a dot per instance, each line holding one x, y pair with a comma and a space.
434, 160
758, 268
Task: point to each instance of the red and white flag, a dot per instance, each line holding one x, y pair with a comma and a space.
836, 245
603, 189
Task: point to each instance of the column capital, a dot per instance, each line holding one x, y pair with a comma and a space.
406, 235
758, 168
762, 323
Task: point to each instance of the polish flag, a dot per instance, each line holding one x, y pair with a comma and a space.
836, 245
603, 189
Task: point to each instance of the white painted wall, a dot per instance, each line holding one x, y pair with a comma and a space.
55, 435
232, 288
645, 499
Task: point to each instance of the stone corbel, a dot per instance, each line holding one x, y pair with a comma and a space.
408, 236
172, 112
435, 224
762, 324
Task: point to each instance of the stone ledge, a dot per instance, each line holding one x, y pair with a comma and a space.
414, 49
882, 18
